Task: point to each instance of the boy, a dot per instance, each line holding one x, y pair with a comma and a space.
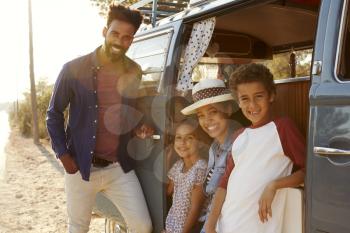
251, 197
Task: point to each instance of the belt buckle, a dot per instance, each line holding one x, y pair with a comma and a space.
99, 163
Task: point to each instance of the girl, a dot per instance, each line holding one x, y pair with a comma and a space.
214, 107
186, 178
174, 107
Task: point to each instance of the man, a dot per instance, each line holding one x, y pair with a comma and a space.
100, 90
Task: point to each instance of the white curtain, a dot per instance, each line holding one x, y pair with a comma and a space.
196, 47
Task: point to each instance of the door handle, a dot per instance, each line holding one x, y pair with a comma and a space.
325, 151
156, 137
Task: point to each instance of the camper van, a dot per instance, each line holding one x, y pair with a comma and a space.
306, 45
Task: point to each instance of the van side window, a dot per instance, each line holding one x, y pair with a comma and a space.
290, 64
344, 58
151, 52
279, 65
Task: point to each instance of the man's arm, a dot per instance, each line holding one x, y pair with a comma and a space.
129, 85
60, 99
146, 127
215, 211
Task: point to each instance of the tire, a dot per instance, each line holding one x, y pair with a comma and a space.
113, 226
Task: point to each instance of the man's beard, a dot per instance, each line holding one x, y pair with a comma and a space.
113, 51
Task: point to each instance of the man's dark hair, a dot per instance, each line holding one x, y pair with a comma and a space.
125, 14
253, 73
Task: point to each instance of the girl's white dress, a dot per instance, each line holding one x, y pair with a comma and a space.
183, 185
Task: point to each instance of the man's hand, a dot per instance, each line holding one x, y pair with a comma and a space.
265, 202
69, 164
144, 131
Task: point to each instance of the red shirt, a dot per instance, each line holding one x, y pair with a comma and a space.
109, 114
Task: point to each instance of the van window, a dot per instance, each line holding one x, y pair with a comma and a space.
280, 66
242, 36
150, 52
344, 56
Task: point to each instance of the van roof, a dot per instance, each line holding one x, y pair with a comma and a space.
192, 11
262, 21
201, 7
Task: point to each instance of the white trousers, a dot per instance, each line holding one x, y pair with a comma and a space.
123, 189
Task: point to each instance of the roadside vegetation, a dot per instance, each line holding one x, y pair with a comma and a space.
20, 114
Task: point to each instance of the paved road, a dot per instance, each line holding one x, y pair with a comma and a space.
4, 134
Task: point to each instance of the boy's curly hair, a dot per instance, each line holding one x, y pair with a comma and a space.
253, 73
125, 14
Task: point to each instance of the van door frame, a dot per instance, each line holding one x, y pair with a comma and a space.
158, 109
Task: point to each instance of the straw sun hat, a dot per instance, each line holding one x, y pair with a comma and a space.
207, 91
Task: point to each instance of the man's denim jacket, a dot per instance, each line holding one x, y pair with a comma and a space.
76, 87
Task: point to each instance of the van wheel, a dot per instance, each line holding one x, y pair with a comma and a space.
113, 226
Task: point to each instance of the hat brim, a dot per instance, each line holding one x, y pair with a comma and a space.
212, 100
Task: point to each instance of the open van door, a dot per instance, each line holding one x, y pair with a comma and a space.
328, 168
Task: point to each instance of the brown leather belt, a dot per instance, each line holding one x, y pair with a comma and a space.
98, 162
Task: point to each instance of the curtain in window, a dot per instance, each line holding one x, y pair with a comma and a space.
196, 47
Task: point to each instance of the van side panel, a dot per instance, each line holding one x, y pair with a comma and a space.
328, 174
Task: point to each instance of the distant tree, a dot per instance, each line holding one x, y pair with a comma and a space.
280, 68
279, 65
303, 58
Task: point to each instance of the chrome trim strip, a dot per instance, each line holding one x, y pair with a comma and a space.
155, 34
324, 151
155, 52
292, 80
